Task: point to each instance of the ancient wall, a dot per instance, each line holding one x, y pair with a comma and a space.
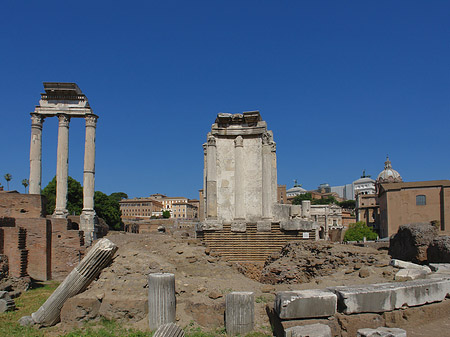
14, 243
67, 248
16, 205
38, 244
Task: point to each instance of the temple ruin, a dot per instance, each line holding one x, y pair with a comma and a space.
65, 101
239, 200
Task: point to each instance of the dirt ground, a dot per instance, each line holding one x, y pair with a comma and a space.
203, 280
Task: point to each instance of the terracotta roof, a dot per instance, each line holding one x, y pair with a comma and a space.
414, 184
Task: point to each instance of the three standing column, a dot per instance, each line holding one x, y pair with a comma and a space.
36, 154
62, 167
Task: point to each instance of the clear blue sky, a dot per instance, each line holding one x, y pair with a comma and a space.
340, 83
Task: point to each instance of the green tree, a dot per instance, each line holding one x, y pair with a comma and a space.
358, 231
351, 204
324, 201
166, 214
25, 184
299, 198
8, 178
74, 196
108, 208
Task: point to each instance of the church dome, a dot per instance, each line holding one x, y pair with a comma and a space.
389, 175
296, 190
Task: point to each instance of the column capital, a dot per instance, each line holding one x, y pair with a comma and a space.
211, 140
239, 141
91, 120
63, 120
37, 120
267, 138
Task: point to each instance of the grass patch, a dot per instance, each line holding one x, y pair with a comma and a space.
31, 300
26, 304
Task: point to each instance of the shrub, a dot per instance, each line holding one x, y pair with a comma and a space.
358, 231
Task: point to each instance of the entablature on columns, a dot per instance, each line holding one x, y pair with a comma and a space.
66, 98
244, 124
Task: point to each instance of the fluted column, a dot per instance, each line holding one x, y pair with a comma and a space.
211, 178
239, 196
266, 176
36, 154
62, 167
87, 220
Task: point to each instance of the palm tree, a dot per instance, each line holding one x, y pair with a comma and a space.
25, 184
8, 178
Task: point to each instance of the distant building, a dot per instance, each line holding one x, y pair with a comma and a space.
281, 194
422, 201
140, 208
155, 204
363, 185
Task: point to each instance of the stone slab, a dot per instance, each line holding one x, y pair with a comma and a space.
389, 296
209, 225
264, 226
311, 330
408, 265
305, 304
238, 226
441, 268
297, 224
410, 274
381, 332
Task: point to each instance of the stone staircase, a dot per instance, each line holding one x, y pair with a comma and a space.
251, 246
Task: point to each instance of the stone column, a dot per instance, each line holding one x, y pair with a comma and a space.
266, 176
239, 313
87, 219
161, 299
211, 178
77, 281
36, 154
239, 190
62, 167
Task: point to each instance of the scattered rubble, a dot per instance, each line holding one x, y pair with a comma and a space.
301, 262
411, 242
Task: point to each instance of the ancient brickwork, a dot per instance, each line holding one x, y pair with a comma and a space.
16, 205
67, 248
38, 244
14, 247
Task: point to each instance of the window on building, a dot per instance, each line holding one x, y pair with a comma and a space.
421, 200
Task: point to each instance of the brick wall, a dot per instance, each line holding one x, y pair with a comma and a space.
16, 205
14, 241
38, 244
67, 248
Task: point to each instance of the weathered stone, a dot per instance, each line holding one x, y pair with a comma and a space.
169, 330
305, 303
209, 225
364, 272
238, 226
411, 242
214, 295
239, 313
297, 224
311, 330
381, 332
440, 268
409, 265
410, 274
98, 257
439, 250
263, 226
389, 296
161, 299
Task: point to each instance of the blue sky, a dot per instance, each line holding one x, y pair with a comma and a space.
340, 83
